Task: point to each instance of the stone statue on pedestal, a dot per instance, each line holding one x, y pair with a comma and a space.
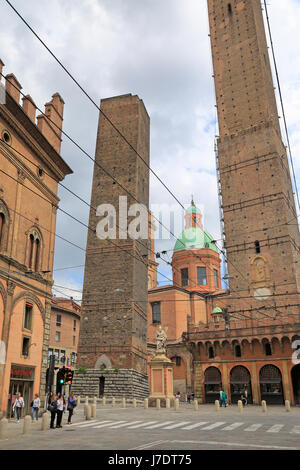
161, 341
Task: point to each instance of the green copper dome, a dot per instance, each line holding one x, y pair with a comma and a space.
194, 238
217, 310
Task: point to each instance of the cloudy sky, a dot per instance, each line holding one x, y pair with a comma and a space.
159, 50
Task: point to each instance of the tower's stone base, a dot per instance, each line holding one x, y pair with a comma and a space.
110, 383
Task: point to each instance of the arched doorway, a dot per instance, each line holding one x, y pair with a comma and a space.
213, 384
296, 383
240, 384
271, 385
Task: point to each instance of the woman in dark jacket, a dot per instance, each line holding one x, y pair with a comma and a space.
71, 406
52, 407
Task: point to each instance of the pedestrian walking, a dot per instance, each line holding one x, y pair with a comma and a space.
60, 409
178, 395
189, 397
52, 407
35, 407
244, 400
18, 405
71, 405
223, 399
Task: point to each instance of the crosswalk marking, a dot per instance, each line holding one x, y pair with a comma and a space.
183, 425
233, 426
276, 428
83, 422
142, 425
213, 426
160, 425
253, 427
194, 426
178, 425
89, 424
295, 430
109, 424
124, 424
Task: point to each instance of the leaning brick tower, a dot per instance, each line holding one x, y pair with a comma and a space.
260, 218
112, 341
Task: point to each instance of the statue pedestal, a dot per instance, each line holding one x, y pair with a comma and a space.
161, 380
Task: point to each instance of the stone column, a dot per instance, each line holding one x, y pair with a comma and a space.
198, 386
225, 379
46, 341
255, 384
5, 336
285, 381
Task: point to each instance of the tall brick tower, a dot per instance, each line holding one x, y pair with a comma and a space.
114, 308
262, 236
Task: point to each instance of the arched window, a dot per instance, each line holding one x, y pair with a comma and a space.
34, 251
37, 254
211, 353
2, 222
30, 250
4, 226
268, 349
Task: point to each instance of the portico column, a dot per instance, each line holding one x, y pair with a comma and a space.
285, 381
255, 384
225, 379
5, 337
198, 387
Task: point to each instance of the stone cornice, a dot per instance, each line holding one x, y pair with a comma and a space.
15, 116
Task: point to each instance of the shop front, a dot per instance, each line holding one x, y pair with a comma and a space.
21, 381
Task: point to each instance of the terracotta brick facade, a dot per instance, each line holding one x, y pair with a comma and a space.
31, 168
64, 331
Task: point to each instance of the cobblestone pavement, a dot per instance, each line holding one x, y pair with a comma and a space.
117, 428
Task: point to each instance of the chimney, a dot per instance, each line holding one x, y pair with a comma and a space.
13, 87
29, 107
51, 128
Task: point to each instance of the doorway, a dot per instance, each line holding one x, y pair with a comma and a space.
240, 384
271, 385
23, 387
101, 386
213, 384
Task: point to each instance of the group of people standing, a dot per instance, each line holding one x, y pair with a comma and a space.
56, 405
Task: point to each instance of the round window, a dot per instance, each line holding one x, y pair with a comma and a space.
6, 137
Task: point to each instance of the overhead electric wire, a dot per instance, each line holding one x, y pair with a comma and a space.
281, 102
112, 124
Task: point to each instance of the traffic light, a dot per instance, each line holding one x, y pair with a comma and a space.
61, 376
50, 373
69, 377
